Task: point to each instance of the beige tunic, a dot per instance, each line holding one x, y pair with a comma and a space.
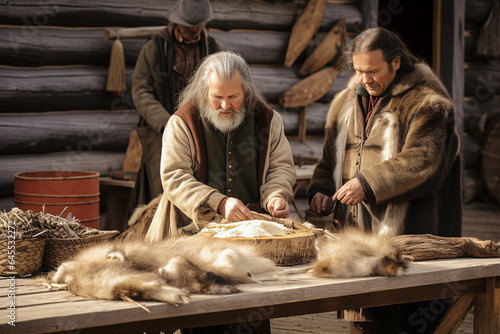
186, 199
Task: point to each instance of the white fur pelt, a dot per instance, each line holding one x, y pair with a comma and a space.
167, 271
353, 252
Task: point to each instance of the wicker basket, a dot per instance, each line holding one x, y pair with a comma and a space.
60, 250
27, 258
284, 250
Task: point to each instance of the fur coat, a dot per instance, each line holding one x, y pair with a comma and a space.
186, 198
406, 158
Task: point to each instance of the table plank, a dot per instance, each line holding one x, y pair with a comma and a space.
423, 281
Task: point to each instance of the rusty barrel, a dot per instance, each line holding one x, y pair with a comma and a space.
62, 193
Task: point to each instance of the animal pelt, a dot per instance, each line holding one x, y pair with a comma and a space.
352, 252
167, 271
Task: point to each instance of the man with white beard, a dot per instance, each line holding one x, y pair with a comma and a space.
224, 152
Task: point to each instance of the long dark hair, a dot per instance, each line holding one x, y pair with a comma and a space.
381, 39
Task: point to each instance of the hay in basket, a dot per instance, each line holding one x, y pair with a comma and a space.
291, 244
20, 252
60, 238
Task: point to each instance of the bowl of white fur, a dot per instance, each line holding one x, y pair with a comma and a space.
282, 240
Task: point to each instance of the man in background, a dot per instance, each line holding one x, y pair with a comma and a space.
162, 70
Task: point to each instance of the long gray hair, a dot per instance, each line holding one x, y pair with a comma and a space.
379, 38
225, 64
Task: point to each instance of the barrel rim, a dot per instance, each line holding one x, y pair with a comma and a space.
56, 196
88, 175
57, 203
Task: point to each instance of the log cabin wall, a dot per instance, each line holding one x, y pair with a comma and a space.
55, 112
482, 101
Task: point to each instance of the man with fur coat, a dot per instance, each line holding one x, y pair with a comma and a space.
391, 153
391, 159
224, 151
162, 70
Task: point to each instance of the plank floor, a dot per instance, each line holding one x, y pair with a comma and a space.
479, 220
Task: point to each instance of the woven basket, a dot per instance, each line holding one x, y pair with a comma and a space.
27, 258
60, 250
284, 250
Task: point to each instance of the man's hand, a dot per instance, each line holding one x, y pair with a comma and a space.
234, 210
350, 193
318, 203
278, 207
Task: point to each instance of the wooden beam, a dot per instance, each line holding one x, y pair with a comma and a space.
455, 315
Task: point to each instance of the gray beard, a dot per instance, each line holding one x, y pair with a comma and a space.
222, 124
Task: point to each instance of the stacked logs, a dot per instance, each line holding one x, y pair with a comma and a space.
481, 104
55, 111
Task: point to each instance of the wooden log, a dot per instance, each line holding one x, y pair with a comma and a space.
58, 131
100, 161
273, 81
482, 81
262, 47
428, 247
477, 11
68, 46
488, 40
315, 120
329, 47
478, 113
310, 89
25, 89
471, 148
304, 28
228, 15
491, 159
83, 87
24, 46
474, 188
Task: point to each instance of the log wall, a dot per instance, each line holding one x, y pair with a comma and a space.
55, 112
481, 102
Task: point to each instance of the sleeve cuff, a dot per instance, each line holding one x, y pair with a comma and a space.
368, 195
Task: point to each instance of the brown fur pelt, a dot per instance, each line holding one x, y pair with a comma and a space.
352, 252
167, 271
171, 270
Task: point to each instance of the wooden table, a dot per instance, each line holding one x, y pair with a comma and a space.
475, 281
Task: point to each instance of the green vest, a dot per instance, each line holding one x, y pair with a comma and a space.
232, 160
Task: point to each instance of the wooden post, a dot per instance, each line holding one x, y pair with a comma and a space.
302, 124
487, 308
451, 53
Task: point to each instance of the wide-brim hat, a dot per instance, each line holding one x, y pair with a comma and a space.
190, 13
